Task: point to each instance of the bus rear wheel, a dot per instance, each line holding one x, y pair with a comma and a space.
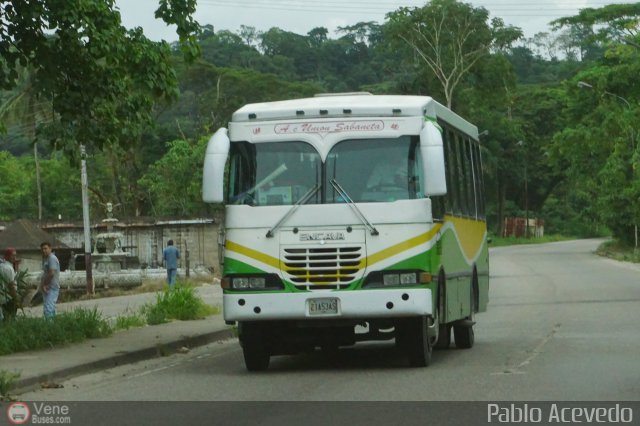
444, 330
463, 332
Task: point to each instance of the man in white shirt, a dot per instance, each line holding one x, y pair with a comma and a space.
8, 284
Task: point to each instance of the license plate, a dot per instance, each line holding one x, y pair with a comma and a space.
324, 306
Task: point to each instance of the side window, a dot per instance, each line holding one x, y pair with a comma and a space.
479, 180
453, 173
461, 180
242, 169
448, 167
468, 175
415, 177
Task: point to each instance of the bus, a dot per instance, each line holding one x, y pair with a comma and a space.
348, 218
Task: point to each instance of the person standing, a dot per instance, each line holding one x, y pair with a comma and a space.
8, 286
170, 256
50, 283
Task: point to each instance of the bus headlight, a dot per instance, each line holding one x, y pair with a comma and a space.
404, 278
396, 278
252, 282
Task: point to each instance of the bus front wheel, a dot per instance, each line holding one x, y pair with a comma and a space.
416, 342
255, 352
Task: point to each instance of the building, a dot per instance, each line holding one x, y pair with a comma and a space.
26, 237
197, 239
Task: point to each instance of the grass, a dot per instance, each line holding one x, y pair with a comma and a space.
24, 333
511, 241
7, 383
129, 320
614, 249
181, 303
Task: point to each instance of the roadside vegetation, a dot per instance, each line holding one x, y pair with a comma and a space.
24, 333
511, 241
618, 250
7, 383
181, 303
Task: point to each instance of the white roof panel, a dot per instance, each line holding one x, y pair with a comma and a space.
351, 105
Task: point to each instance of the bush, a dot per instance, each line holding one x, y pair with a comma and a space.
181, 303
7, 382
618, 250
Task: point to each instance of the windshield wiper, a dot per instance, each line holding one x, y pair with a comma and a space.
310, 193
353, 206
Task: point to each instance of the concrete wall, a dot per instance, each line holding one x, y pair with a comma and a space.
147, 240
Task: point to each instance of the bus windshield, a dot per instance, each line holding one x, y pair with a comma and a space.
372, 170
268, 174
369, 170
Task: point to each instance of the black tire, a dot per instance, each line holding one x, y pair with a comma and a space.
444, 336
444, 330
255, 352
417, 343
256, 356
464, 335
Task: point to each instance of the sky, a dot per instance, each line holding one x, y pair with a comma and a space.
300, 16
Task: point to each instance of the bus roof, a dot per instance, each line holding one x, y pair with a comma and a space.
345, 105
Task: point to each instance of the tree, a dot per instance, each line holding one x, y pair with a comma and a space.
173, 185
101, 78
25, 109
599, 148
14, 186
450, 37
595, 28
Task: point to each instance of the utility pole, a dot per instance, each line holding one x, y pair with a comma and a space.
85, 219
526, 191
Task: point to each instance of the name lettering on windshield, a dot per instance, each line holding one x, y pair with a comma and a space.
329, 127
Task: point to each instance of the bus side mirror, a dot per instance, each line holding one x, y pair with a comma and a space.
214, 163
432, 152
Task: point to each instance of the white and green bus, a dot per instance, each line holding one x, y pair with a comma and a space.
349, 217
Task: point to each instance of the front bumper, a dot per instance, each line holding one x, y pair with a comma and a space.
357, 304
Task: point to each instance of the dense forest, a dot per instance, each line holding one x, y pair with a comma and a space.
558, 112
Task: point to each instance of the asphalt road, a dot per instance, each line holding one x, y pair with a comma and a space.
562, 325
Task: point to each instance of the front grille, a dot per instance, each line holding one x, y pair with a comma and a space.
322, 267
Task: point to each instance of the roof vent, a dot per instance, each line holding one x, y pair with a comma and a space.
324, 112
320, 95
252, 116
299, 112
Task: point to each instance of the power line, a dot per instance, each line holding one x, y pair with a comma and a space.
541, 9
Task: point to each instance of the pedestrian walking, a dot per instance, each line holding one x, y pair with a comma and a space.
50, 282
8, 285
170, 256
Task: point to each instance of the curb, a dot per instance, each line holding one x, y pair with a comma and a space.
158, 350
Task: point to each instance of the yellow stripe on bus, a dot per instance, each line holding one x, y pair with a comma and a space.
374, 258
400, 247
253, 254
471, 234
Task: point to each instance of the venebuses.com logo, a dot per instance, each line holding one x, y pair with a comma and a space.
18, 413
